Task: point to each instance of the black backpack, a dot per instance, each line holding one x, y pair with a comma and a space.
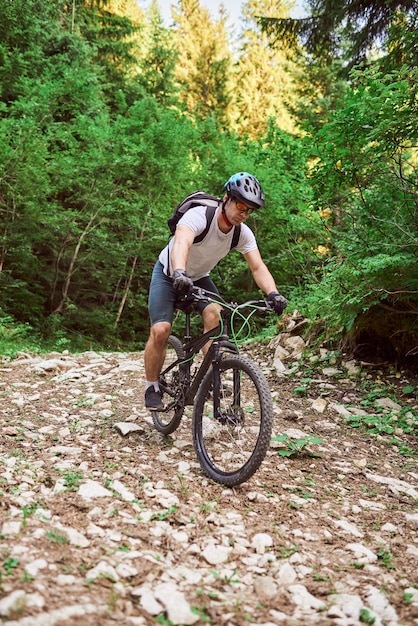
200, 198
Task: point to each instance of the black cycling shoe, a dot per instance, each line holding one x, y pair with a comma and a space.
153, 399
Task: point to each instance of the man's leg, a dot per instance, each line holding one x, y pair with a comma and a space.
211, 313
160, 304
154, 358
155, 350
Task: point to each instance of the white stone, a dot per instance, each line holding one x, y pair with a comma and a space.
60, 486
319, 405
183, 467
65, 450
380, 605
120, 488
372, 505
35, 601
127, 427
395, 484
184, 573
352, 368
388, 403
181, 537
281, 353
56, 616
303, 599
412, 519
280, 617
413, 593
286, 575
295, 433
330, 371
149, 603
360, 462
14, 602
295, 344
11, 528
341, 410
412, 550
125, 570
175, 603
345, 604
64, 580
265, 588
361, 553
52, 364
92, 489
75, 537
279, 366
35, 567
347, 527
215, 554
95, 531
102, 569
261, 541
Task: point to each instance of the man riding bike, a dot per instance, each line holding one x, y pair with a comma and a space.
183, 263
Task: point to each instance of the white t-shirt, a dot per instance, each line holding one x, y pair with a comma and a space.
203, 256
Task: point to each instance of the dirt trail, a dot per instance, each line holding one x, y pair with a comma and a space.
99, 528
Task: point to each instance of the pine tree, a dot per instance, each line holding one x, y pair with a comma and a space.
264, 81
112, 37
205, 61
346, 28
158, 59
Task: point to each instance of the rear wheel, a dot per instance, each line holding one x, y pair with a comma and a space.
172, 385
231, 439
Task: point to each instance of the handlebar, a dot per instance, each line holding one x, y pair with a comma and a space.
198, 294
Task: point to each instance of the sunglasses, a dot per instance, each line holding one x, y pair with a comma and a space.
242, 208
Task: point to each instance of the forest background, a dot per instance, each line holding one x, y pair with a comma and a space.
108, 118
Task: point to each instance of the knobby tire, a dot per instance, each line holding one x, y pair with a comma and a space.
232, 445
166, 422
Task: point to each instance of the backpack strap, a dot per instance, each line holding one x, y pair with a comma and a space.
235, 236
210, 214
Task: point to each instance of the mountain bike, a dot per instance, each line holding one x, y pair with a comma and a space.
231, 399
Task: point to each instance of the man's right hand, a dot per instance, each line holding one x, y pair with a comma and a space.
181, 282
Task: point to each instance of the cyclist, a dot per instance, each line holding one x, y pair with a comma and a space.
182, 264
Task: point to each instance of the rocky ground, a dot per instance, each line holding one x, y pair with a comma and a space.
104, 521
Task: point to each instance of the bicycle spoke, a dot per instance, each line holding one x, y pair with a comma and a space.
232, 436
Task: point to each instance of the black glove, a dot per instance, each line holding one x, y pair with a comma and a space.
181, 282
277, 302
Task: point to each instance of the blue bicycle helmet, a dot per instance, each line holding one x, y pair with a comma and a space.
246, 188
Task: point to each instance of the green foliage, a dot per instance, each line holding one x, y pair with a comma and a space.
365, 616
295, 446
14, 337
365, 183
95, 151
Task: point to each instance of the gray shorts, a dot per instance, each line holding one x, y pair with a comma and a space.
162, 297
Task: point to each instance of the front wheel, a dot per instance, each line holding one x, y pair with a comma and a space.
231, 436
172, 385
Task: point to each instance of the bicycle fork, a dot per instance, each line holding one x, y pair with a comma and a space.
219, 387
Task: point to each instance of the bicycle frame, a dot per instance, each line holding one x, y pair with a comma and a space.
191, 346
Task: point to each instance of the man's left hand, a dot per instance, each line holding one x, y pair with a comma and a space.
277, 302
